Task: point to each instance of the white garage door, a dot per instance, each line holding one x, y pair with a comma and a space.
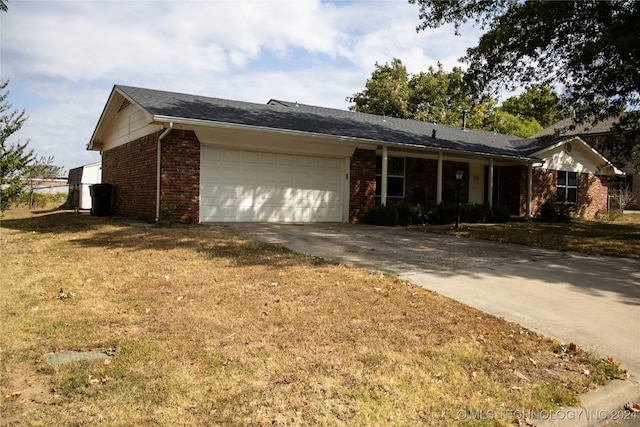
246, 186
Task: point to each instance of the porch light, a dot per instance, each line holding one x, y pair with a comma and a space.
459, 175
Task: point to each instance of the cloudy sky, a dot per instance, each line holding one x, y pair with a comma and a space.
63, 57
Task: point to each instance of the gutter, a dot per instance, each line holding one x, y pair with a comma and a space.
158, 165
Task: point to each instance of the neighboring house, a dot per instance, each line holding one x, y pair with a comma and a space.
80, 179
214, 160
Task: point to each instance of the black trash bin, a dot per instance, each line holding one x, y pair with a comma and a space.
100, 199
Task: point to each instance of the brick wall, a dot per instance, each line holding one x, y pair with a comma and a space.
592, 193
180, 179
131, 169
362, 197
543, 187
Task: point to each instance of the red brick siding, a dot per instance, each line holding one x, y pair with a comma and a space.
420, 175
362, 197
180, 179
131, 169
543, 187
592, 193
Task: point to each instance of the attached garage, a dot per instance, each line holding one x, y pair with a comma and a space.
252, 186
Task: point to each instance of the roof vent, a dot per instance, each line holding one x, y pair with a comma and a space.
433, 134
124, 104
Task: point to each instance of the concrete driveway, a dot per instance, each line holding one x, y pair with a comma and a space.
592, 301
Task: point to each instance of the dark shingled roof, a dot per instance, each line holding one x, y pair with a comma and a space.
569, 127
292, 116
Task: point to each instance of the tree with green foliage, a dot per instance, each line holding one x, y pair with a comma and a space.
387, 92
14, 158
506, 123
440, 96
589, 48
538, 102
436, 96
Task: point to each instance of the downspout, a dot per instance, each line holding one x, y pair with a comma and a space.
158, 164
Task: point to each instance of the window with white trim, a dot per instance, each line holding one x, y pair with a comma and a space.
567, 187
395, 176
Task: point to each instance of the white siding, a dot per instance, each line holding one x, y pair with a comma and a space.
579, 159
476, 183
91, 174
129, 124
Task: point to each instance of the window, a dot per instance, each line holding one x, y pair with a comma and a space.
395, 176
567, 187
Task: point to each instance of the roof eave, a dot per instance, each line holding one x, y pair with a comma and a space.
111, 108
595, 152
177, 121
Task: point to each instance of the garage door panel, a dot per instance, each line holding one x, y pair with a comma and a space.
253, 186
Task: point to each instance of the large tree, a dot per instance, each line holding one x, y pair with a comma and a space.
14, 158
587, 48
386, 92
437, 96
434, 95
539, 102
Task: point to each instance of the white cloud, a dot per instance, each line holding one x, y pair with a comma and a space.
64, 56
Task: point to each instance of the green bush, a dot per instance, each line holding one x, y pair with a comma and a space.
473, 213
418, 214
444, 213
498, 214
549, 213
405, 214
441, 214
384, 215
40, 200
169, 214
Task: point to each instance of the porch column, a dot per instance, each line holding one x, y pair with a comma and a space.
490, 179
529, 188
385, 173
439, 179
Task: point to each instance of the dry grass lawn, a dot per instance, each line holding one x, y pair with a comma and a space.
619, 238
209, 328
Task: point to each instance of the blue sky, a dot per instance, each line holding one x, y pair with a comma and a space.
63, 57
